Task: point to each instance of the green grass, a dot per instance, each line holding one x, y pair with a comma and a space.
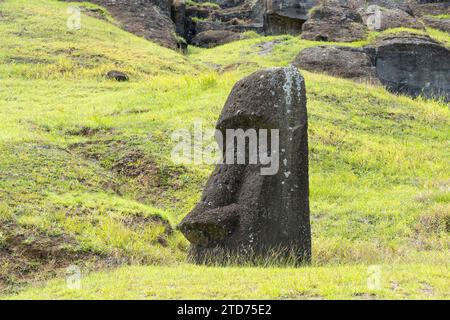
378, 164
202, 4
440, 16
191, 282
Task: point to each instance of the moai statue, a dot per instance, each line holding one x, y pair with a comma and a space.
255, 205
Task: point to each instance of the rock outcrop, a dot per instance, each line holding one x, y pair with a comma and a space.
177, 23
146, 18
245, 215
286, 16
407, 64
205, 23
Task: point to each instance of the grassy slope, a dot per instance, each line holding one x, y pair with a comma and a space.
379, 162
193, 282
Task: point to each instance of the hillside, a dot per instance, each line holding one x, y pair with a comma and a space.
86, 176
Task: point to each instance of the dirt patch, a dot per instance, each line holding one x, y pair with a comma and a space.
135, 164
85, 131
139, 166
434, 222
365, 296
28, 254
26, 60
90, 60
98, 149
2, 14
131, 111
134, 168
301, 296
137, 221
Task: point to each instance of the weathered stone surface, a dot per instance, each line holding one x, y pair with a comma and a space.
242, 214
212, 38
178, 16
351, 63
286, 16
241, 12
332, 21
436, 23
404, 63
414, 65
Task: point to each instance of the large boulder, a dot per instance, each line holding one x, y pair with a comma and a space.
332, 21
249, 212
286, 16
346, 62
403, 63
414, 65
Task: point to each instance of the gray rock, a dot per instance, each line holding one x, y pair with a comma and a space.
345, 62
414, 65
244, 216
117, 75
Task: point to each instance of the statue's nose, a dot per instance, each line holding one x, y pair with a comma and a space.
205, 227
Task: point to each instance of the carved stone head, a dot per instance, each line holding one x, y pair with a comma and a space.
260, 206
